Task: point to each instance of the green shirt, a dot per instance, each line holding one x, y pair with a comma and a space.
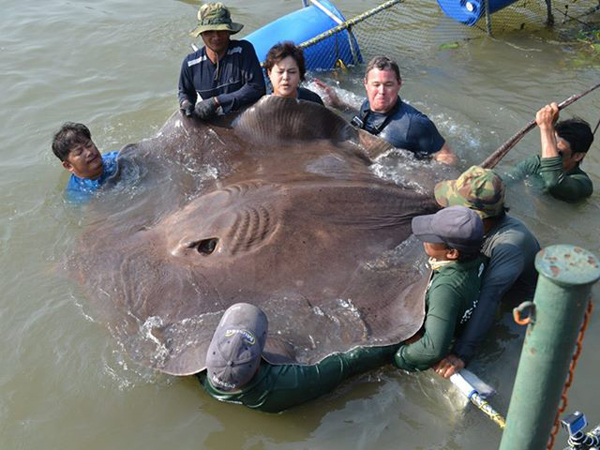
276, 388
568, 186
450, 300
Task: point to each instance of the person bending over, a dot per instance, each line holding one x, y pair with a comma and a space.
73, 145
236, 372
222, 76
564, 146
286, 69
510, 247
452, 239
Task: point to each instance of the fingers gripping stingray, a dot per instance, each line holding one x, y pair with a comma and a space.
294, 221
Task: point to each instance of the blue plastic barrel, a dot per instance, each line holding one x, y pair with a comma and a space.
303, 25
469, 11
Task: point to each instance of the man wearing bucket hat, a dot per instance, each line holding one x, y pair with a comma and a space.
225, 74
564, 146
452, 239
510, 247
237, 372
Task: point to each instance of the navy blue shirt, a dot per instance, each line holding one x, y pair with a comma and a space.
404, 127
237, 80
81, 189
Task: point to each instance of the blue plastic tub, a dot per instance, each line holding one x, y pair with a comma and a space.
469, 11
305, 24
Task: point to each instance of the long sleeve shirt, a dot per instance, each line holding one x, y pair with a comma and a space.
568, 186
276, 388
511, 249
236, 80
450, 300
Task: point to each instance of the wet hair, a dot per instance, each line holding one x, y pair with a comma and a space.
281, 51
69, 135
383, 63
577, 132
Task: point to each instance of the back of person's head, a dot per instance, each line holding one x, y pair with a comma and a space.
281, 51
234, 353
383, 63
577, 132
69, 135
479, 189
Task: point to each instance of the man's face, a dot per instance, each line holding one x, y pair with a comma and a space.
435, 250
84, 160
217, 41
382, 88
569, 159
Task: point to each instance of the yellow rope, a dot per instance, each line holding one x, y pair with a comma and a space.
487, 409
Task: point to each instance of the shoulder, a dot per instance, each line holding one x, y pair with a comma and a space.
533, 161
194, 58
406, 109
308, 95
240, 47
110, 156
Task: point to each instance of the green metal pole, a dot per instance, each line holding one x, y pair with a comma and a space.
567, 274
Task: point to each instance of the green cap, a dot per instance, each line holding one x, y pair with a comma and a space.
215, 17
477, 188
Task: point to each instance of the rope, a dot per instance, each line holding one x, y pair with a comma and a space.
564, 400
349, 23
597, 125
487, 409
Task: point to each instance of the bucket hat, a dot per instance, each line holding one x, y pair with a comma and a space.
215, 17
479, 189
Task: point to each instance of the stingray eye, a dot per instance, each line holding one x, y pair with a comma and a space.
205, 246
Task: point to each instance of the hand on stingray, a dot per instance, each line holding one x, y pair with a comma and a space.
206, 109
187, 109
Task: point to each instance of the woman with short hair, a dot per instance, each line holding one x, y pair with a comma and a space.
286, 69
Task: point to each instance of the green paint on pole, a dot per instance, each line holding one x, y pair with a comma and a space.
567, 274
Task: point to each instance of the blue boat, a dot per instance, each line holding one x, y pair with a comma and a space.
305, 24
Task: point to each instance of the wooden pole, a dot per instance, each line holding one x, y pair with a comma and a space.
492, 160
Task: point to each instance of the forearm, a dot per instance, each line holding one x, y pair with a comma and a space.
186, 91
247, 95
422, 354
477, 327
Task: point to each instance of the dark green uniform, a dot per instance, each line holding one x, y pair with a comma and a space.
275, 388
570, 187
450, 301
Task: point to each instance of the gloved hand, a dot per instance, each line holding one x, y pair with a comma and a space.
206, 109
186, 108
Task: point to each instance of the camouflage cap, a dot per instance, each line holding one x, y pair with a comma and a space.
477, 188
215, 17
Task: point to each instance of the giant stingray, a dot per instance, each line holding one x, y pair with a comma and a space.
278, 208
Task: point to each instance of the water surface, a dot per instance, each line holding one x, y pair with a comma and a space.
114, 65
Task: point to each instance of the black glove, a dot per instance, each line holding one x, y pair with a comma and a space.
206, 109
187, 109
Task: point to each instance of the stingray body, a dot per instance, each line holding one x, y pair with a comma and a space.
278, 208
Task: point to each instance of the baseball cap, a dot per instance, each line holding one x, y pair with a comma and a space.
456, 226
235, 350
